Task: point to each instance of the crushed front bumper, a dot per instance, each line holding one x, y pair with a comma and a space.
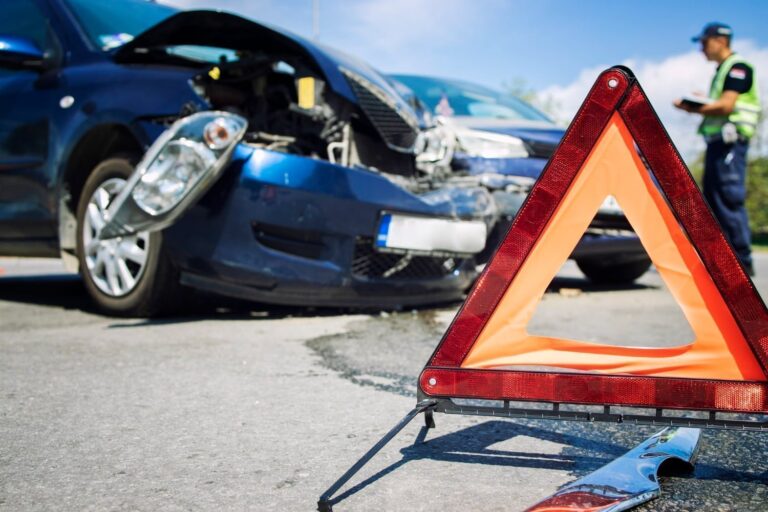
286, 229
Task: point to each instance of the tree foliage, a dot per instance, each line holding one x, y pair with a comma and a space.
757, 190
757, 194
519, 88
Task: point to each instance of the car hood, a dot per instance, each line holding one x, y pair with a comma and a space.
224, 30
530, 131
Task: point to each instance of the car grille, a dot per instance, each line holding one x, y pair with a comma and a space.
370, 264
538, 149
396, 128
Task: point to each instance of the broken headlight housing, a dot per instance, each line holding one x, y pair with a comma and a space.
490, 145
434, 149
176, 170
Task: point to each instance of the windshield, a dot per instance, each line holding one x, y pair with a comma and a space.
109, 24
457, 98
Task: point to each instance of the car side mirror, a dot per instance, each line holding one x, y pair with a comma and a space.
21, 53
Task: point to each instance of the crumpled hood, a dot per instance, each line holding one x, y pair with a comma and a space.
224, 30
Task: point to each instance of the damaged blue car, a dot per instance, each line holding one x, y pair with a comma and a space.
501, 138
157, 150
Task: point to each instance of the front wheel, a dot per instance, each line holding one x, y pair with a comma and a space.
607, 272
128, 275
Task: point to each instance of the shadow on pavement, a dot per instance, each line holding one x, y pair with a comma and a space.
474, 445
581, 454
66, 291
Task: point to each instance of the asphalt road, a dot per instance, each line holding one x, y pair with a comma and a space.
239, 407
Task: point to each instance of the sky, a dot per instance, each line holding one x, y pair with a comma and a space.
554, 47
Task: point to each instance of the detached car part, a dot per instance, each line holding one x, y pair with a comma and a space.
629, 480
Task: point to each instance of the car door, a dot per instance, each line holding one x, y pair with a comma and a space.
27, 99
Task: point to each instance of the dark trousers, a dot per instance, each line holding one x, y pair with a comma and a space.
725, 171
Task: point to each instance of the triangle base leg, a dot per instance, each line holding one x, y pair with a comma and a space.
326, 502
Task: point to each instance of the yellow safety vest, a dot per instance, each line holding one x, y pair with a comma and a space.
746, 112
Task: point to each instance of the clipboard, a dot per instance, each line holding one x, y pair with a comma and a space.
695, 101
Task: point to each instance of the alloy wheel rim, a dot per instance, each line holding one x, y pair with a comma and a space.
115, 265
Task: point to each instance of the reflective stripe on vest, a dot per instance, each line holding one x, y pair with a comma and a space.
746, 112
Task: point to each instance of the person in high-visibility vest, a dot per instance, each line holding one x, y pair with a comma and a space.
730, 119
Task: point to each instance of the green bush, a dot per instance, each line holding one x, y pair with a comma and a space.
757, 195
757, 192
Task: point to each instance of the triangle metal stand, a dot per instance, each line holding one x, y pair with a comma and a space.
326, 502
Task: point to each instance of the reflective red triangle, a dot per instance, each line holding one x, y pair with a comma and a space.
461, 367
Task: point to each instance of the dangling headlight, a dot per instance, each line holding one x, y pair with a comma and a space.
490, 145
196, 145
176, 170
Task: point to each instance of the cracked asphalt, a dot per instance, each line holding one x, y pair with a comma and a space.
246, 407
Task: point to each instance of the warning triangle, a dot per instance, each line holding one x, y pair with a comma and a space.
487, 351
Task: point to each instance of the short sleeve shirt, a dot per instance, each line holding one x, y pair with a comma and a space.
739, 78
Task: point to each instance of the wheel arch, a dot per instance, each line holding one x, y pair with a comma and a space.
95, 145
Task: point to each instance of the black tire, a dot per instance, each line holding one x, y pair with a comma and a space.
156, 286
607, 272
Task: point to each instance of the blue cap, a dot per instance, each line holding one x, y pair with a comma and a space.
714, 29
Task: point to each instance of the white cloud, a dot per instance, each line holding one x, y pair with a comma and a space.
385, 25
404, 35
663, 82
397, 25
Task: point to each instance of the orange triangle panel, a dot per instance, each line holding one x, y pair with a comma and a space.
487, 351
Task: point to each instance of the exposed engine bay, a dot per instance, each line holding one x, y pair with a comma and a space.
325, 105
318, 104
290, 109
304, 100
284, 104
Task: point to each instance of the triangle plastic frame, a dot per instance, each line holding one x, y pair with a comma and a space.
616, 92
